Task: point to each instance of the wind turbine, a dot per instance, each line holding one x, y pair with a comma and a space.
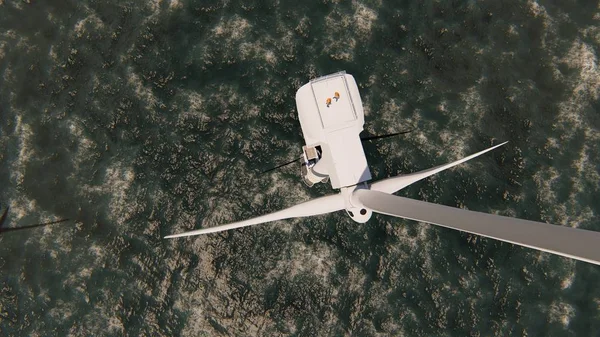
331, 116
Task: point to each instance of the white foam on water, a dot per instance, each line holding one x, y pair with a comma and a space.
223, 210
364, 18
450, 146
205, 306
570, 122
155, 7
585, 168
474, 107
8, 78
143, 92
345, 32
258, 50
175, 4
116, 325
231, 30
455, 147
195, 109
227, 96
540, 11
91, 21
196, 324
196, 102
294, 190
402, 232
99, 254
20, 204
3, 48
118, 180
9, 34
62, 310
537, 9
86, 148
123, 204
391, 112
569, 213
26, 152
268, 50
582, 57
429, 138
315, 259
592, 32
561, 312
568, 281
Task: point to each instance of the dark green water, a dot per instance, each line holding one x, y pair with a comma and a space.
140, 119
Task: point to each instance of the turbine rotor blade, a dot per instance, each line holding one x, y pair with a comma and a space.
570, 242
323, 205
395, 184
385, 136
282, 165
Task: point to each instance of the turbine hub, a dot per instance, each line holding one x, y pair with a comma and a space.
354, 208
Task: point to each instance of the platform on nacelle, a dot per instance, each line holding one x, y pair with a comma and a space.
340, 112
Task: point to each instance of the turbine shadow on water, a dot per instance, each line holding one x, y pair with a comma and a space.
15, 229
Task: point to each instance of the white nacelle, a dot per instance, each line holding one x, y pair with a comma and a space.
332, 117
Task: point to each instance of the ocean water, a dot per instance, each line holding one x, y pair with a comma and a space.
143, 118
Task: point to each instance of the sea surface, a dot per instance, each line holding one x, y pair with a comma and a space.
138, 119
